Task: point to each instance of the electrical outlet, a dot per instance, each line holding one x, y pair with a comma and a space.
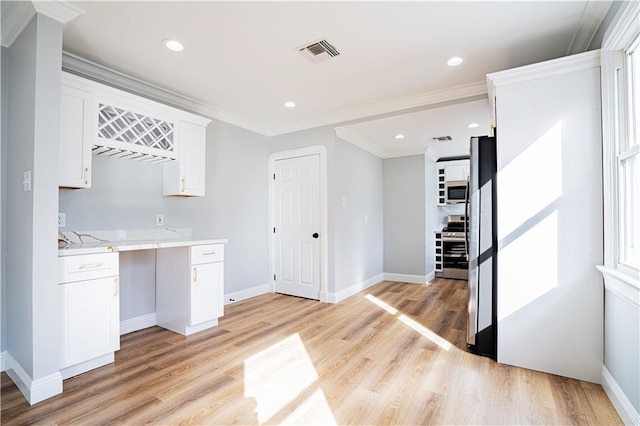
159, 220
62, 220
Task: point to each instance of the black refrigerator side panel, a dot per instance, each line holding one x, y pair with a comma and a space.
485, 261
487, 337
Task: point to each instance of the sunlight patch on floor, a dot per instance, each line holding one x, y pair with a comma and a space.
416, 326
371, 298
314, 411
425, 332
277, 375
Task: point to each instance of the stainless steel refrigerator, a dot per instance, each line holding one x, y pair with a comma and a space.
483, 247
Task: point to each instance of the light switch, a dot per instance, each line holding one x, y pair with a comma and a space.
159, 220
62, 220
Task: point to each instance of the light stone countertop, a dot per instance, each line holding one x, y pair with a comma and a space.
71, 243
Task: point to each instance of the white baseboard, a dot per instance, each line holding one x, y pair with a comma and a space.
138, 323
33, 390
411, 279
247, 293
350, 291
3, 364
620, 402
83, 367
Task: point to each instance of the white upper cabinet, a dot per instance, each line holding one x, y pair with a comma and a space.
186, 176
105, 121
457, 171
77, 120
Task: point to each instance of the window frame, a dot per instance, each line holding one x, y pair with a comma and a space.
622, 37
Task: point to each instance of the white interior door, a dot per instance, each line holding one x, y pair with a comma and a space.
296, 248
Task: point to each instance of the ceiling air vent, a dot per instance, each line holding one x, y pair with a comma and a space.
318, 51
442, 139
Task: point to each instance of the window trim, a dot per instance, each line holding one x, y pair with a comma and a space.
620, 37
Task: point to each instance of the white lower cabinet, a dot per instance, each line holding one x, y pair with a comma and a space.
89, 311
190, 287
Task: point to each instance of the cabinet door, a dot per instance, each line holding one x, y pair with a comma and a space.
192, 158
90, 320
185, 176
207, 292
455, 173
76, 134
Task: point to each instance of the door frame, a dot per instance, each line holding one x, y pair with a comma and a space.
321, 151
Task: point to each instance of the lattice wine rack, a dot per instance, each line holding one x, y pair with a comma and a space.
132, 135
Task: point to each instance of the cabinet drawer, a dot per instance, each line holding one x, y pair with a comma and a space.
207, 253
87, 267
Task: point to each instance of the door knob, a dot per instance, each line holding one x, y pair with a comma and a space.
315, 235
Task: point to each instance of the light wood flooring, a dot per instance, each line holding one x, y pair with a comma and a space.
393, 354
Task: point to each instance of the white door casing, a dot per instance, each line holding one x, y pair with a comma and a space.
298, 211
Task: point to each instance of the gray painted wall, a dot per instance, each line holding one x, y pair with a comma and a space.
404, 215
128, 194
358, 223
355, 248
622, 345
324, 136
32, 254
4, 100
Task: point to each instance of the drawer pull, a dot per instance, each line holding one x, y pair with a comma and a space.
115, 287
91, 266
195, 274
210, 253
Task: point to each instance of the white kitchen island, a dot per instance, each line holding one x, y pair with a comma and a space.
189, 289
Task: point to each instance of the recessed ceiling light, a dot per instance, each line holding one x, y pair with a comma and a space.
399, 136
174, 45
472, 125
289, 104
455, 61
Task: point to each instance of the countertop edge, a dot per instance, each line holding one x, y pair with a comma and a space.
118, 246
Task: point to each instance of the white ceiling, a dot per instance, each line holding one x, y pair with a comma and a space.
419, 128
240, 58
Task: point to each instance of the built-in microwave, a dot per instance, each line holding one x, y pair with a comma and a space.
456, 191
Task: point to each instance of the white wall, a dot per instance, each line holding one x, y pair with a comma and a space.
404, 215
32, 254
550, 296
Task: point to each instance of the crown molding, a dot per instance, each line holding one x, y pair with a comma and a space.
414, 101
85, 68
431, 155
406, 152
359, 141
592, 17
93, 71
624, 27
549, 68
16, 15
62, 11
